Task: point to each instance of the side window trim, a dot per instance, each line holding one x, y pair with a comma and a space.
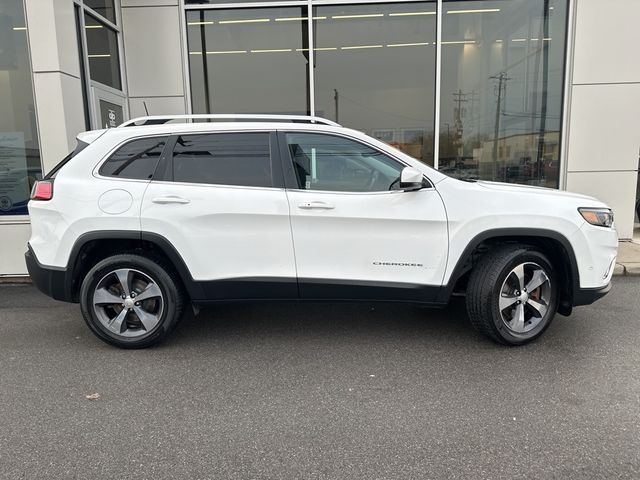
286, 160
278, 176
164, 169
275, 166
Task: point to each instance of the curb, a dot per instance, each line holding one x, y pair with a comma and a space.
22, 280
627, 270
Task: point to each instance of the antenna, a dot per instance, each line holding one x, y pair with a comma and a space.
144, 102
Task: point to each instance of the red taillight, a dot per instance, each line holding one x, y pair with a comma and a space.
42, 190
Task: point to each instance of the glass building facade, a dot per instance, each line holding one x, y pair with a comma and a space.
489, 74
474, 88
20, 164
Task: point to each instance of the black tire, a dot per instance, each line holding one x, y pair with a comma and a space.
168, 309
487, 283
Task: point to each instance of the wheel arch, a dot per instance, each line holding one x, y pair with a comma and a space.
551, 242
91, 247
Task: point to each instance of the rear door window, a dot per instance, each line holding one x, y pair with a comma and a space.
136, 159
240, 159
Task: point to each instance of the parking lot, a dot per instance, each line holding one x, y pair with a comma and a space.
320, 390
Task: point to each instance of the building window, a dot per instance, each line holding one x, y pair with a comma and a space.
102, 51
20, 162
249, 60
375, 71
502, 90
374, 68
102, 7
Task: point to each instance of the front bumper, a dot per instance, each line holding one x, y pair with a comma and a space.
49, 280
586, 296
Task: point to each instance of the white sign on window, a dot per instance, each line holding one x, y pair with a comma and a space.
14, 179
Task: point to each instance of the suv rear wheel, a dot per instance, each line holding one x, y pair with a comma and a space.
130, 301
512, 295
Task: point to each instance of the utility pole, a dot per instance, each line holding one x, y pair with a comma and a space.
336, 98
448, 144
474, 116
459, 98
502, 85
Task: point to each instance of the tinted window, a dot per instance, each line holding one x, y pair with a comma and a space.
223, 159
137, 159
103, 7
326, 162
102, 51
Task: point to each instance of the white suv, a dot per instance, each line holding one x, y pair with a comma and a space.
142, 219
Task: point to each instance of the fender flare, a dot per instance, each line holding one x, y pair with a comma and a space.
164, 245
518, 233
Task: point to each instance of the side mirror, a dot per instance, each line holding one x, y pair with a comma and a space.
411, 179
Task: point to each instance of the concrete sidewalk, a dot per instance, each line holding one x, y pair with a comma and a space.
628, 258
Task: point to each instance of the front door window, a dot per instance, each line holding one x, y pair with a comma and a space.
332, 163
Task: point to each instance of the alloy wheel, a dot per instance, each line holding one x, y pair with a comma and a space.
525, 297
128, 302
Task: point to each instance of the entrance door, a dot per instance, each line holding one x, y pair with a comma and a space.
110, 106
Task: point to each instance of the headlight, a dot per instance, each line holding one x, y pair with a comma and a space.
602, 217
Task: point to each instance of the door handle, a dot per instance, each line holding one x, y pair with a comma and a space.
316, 205
170, 199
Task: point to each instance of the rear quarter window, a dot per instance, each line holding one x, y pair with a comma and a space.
135, 160
79, 147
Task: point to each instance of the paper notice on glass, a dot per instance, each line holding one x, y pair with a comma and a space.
14, 181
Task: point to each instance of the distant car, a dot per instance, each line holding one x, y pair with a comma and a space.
144, 219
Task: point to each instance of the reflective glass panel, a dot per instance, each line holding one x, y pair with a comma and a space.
502, 90
375, 71
104, 59
248, 60
19, 149
103, 7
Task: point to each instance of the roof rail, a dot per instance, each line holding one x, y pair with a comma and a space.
161, 119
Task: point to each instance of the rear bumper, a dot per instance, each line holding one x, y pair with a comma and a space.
586, 296
49, 280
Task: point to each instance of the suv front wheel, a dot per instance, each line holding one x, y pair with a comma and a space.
130, 301
512, 295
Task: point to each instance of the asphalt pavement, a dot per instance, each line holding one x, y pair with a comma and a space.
320, 391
